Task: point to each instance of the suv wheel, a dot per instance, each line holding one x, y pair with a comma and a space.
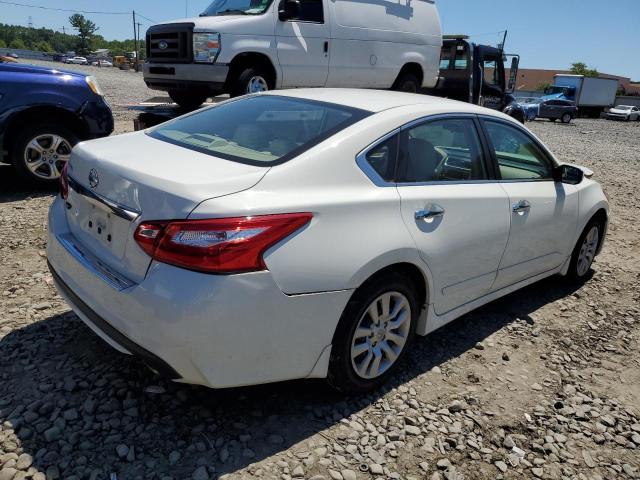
40, 151
188, 99
251, 80
566, 118
373, 335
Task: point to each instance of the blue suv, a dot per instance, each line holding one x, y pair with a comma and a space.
44, 112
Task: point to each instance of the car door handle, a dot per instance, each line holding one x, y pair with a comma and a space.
433, 212
521, 206
326, 47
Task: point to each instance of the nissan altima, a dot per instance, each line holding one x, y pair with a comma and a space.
311, 233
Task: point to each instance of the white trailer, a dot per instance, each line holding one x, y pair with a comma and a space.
591, 94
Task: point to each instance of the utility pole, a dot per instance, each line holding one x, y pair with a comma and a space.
186, 8
30, 21
64, 31
138, 43
135, 35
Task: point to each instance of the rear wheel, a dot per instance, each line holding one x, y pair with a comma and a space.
375, 330
407, 82
40, 151
585, 250
566, 118
188, 99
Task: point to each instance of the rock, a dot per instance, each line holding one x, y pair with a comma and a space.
298, 472
348, 474
501, 466
8, 473
248, 453
376, 469
335, 475
443, 463
456, 406
508, 442
537, 472
200, 473
52, 434
412, 430
122, 450
537, 387
275, 439
24, 461
174, 456
588, 459
505, 357
424, 466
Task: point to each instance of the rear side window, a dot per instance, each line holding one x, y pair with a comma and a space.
259, 130
518, 155
441, 151
382, 158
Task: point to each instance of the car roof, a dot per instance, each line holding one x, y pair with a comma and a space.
378, 100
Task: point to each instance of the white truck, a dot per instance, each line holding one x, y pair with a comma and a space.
244, 46
592, 95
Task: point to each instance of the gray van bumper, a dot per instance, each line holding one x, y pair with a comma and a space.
178, 76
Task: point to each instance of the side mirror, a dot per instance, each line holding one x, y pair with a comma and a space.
568, 174
289, 10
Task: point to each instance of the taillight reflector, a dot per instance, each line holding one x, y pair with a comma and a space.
219, 245
64, 182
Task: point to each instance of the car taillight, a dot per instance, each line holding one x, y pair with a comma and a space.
219, 245
64, 182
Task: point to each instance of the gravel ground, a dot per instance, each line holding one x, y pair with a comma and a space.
544, 383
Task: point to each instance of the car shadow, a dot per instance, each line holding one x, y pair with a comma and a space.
72, 400
14, 188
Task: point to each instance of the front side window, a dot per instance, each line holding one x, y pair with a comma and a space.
445, 58
461, 61
440, 151
518, 155
258, 130
310, 11
236, 7
491, 72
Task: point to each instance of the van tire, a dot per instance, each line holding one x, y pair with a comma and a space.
406, 82
250, 80
188, 99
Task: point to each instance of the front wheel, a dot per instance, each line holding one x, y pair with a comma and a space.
251, 80
188, 99
374, 333
40, 151
566, 118
585, 250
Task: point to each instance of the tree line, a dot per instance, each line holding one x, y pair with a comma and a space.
50, 41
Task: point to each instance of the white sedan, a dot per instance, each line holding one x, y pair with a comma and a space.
311, 233
77, 61
624, 112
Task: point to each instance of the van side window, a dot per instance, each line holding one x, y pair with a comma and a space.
311, 11
461, 61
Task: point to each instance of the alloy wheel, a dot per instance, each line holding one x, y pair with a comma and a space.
381, 335
257, 84
588, 251
46, 154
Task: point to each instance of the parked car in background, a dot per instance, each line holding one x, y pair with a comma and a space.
624, 112
77, 61
7, 59
44, 112
563, 110
225, 247
244, 46
102, 63
13, 55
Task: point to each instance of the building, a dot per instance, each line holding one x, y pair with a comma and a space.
530, 79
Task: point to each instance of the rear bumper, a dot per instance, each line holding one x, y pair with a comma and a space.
180, 76
214, 330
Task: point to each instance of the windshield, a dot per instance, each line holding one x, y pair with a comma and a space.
236, 7
259, 130
623, 107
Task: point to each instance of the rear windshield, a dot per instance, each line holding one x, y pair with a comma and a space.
259, 130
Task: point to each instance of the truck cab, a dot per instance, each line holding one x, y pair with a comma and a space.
475, 73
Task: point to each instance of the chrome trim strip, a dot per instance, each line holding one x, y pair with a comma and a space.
118, 210
94, 265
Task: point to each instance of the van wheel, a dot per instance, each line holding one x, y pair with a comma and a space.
585, 250
407, 82
566, 118
188, 99
40, 151
374, 333
251, 80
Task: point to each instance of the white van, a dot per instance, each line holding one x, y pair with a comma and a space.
244, 46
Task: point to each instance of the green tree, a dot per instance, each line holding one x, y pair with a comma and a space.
2, 44
17, 44
42, 46
86, 28
543, 86
580, 68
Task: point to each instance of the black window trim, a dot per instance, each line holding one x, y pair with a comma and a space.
358, 115
491, 150
313, 22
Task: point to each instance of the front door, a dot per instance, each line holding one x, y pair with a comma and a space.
544, 213
458, 218
303, 46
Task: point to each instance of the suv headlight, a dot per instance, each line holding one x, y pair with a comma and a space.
93, 85
206, 47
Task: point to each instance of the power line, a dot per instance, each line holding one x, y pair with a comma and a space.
146, 18
63, 9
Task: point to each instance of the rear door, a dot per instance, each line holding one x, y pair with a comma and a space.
303, 46
543, 213
457, 216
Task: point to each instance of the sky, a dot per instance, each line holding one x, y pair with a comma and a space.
553, 34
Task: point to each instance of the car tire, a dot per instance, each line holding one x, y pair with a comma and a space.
353, 353
251, 80
585, 250
566, 118
39, 152
407, 82
188, 99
